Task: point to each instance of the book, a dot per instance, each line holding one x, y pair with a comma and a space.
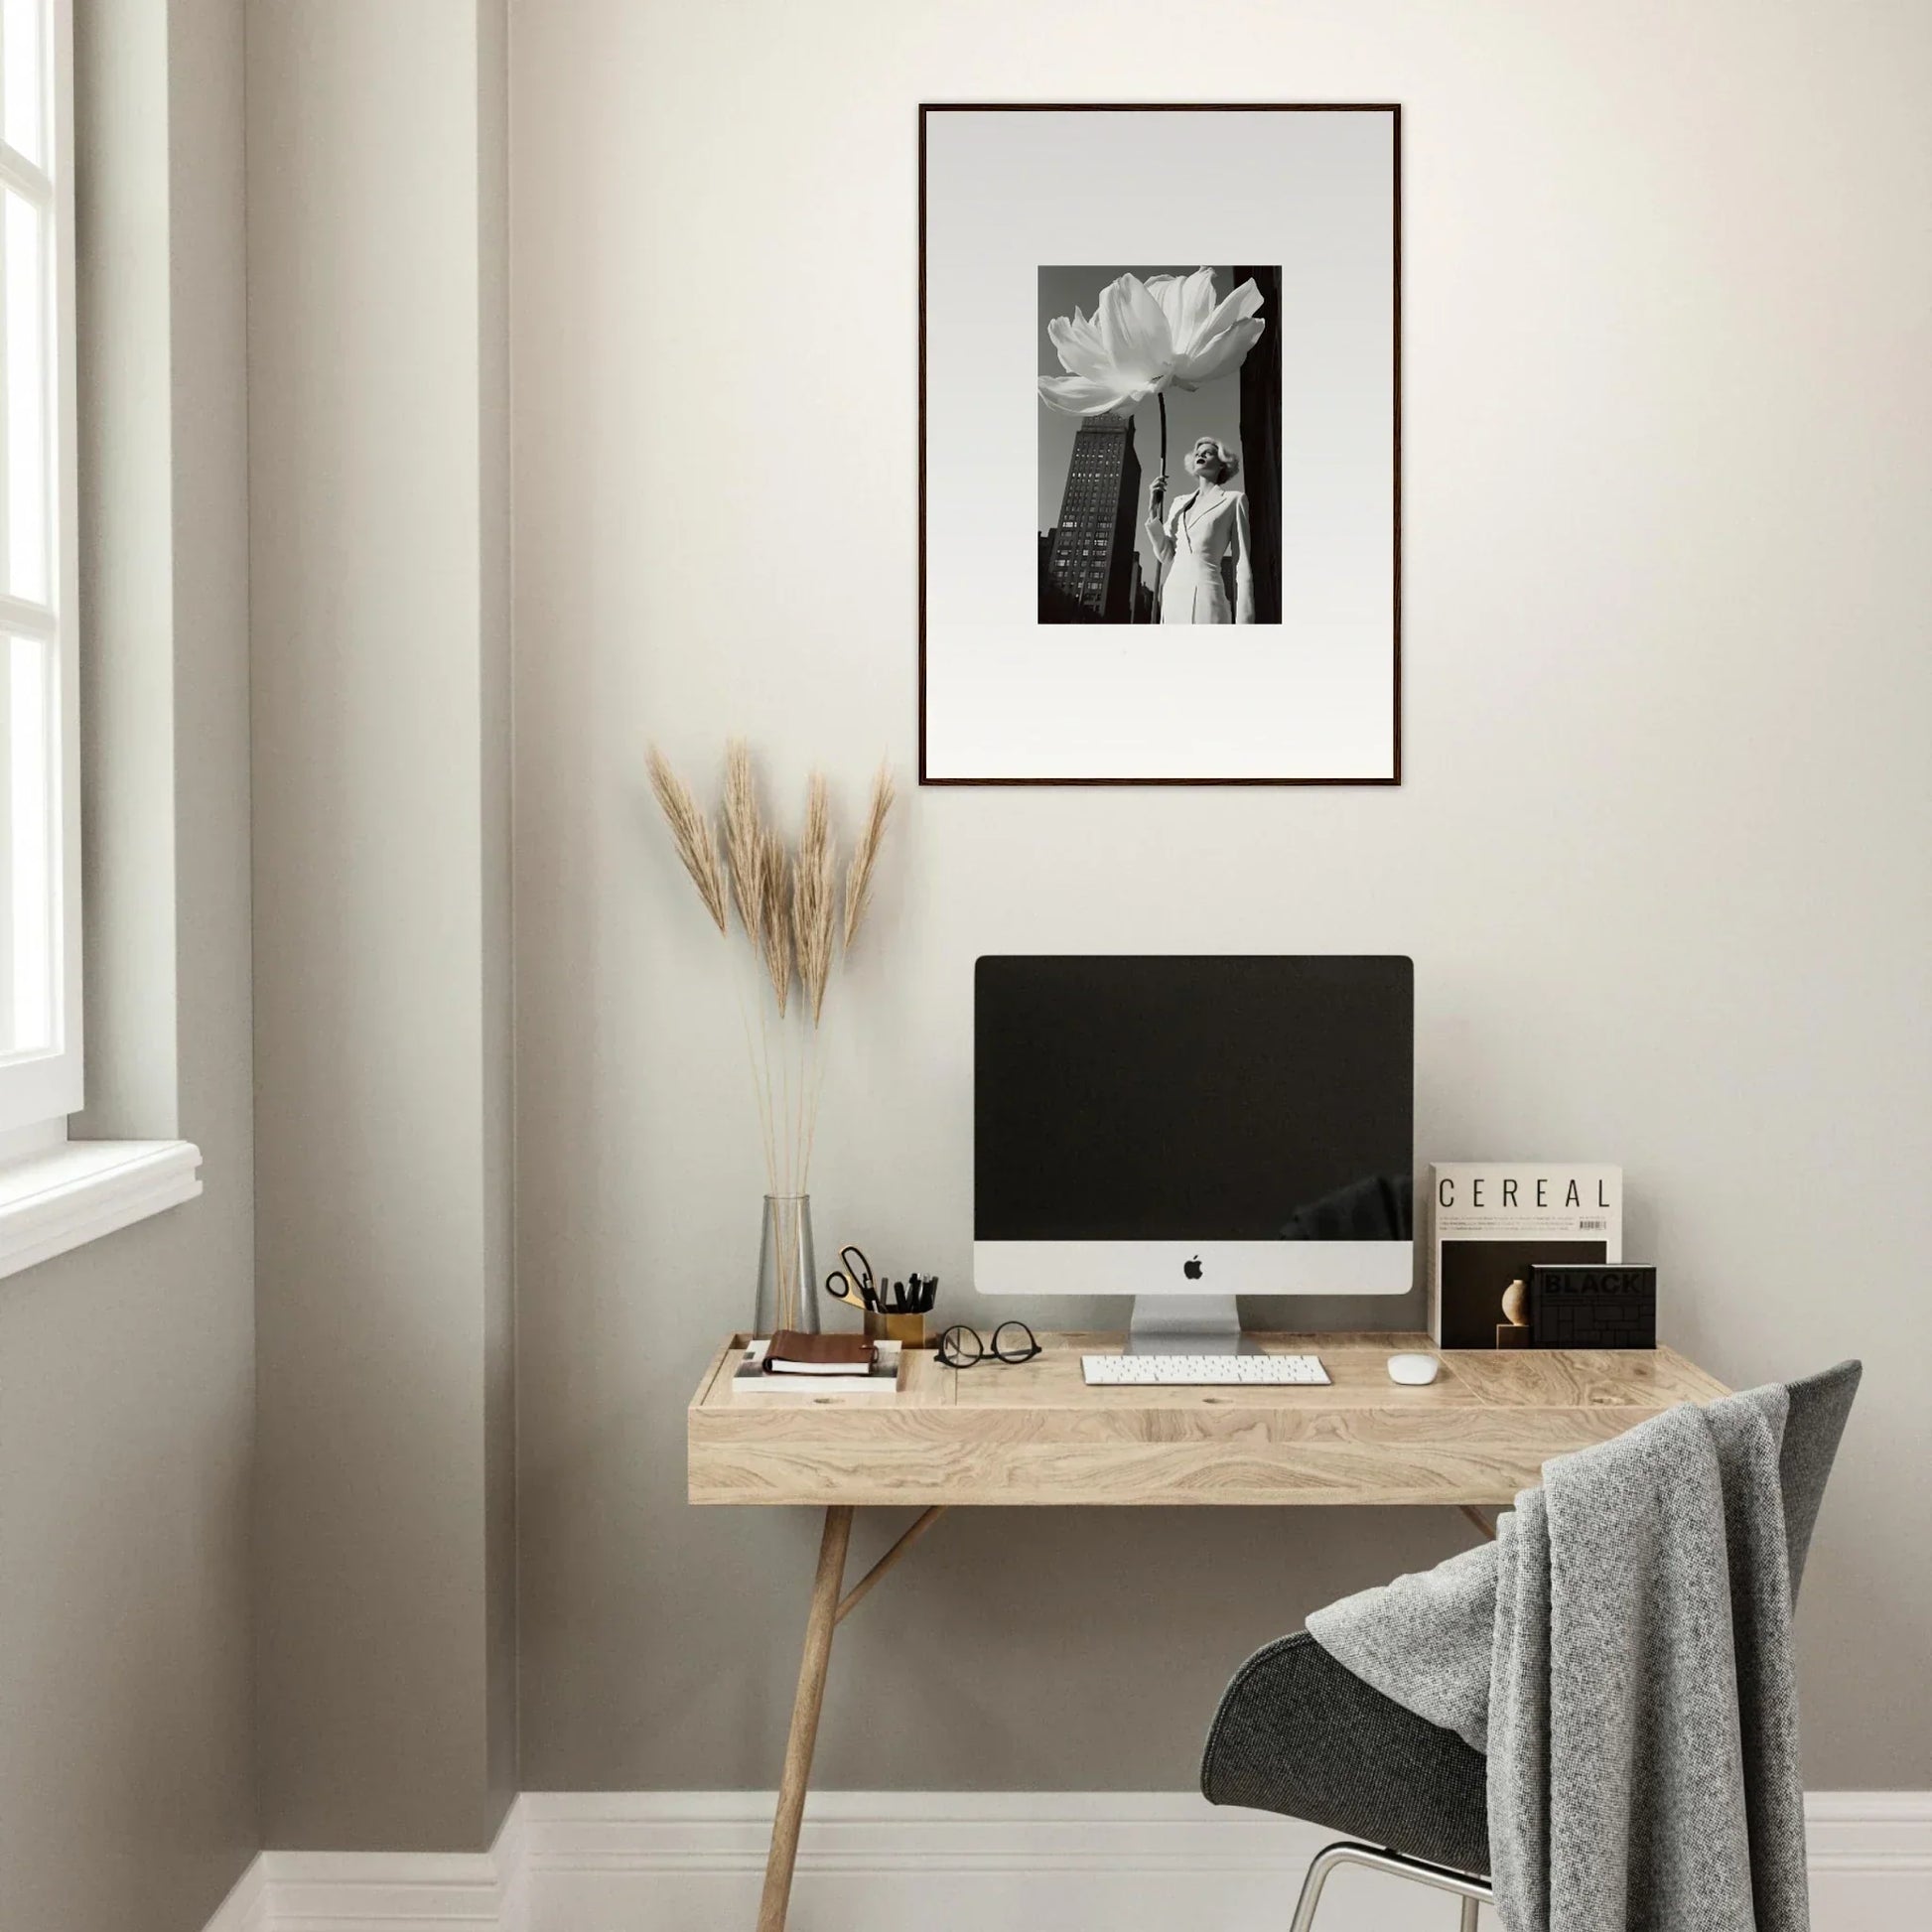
1490, 1221
793, 1354
1592, 1304
751, 1380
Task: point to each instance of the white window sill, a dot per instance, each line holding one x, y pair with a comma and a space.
79, 1190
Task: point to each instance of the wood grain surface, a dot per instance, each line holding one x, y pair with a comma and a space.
1034, 1434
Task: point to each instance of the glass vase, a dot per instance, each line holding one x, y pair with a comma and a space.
788, 1270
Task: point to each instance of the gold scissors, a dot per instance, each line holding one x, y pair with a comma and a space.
852, 1280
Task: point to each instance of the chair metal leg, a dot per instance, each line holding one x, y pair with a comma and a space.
1473, 1891
1324, 1863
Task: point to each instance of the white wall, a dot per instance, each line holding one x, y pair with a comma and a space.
1660, 853
378, 471
127, 1367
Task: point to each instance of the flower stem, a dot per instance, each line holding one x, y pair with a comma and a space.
1160, 567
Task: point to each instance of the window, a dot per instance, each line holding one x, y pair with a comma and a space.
40, 843
54, 1193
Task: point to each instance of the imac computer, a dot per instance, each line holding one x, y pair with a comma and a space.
1185, 1130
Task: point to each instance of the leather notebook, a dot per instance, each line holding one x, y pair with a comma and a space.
793, 1354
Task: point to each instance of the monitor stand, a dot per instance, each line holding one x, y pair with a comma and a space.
1187, 1325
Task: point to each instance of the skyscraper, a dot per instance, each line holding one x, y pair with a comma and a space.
1090, 570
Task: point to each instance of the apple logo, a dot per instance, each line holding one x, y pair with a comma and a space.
1191, 1269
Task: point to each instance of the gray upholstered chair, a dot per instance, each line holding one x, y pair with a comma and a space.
1297, 1733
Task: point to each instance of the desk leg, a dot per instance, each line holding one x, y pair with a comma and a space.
819, 1622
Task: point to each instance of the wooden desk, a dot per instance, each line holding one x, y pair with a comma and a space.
1033, 1433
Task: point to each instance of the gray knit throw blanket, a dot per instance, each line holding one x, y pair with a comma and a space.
1623, 1652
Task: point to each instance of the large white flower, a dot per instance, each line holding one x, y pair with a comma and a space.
1146, 337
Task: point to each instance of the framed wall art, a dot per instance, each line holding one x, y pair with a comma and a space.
1160, 445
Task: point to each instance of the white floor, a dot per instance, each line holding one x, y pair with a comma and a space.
958, 1861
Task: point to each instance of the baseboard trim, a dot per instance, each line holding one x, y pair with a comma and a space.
1869, 1824
386, 1892
245, 1909
948, 1861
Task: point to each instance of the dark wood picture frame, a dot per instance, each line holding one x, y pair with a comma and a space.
1392, 108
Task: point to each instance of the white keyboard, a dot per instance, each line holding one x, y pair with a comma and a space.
1201, 1371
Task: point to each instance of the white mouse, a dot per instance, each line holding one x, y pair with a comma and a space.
1414, 1369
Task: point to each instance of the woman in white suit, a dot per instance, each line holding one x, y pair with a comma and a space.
1192, 540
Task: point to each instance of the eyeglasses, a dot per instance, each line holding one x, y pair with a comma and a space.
1012, 1341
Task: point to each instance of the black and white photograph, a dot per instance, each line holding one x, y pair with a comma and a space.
1160, 445
1159, 361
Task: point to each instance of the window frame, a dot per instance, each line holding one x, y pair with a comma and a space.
58, 1194
39, 1090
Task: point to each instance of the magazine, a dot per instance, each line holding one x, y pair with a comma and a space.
1490, 1220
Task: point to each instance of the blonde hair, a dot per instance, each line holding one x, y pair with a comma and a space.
1231, 462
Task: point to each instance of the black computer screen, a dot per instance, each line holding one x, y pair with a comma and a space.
1192, 1099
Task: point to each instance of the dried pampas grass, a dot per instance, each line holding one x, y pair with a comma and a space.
788, 906
691, 833
865, 855
774, 917
814, 896
744, 837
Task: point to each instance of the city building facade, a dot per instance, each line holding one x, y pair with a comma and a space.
1091, 569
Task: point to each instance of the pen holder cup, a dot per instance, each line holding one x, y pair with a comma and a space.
907, 1329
